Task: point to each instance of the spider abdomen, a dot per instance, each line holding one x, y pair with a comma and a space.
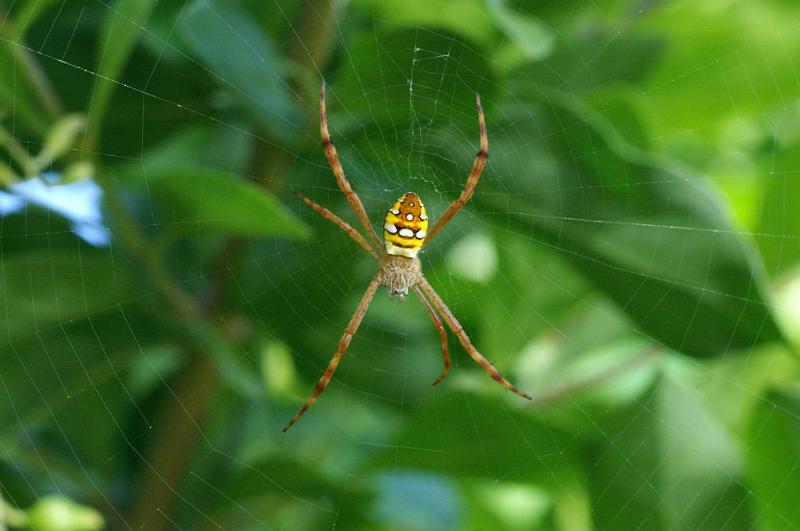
405, 226
399, 274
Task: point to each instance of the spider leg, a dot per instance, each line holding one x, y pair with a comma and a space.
339, 222
344, 342
454, 325
472, 180
442, 333
338, 171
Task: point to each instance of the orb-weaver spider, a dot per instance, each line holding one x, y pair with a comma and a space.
405, 230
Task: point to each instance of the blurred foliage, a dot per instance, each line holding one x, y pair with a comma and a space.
631, 257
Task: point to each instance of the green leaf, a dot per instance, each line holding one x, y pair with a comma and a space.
594, 60
667, 463
708, 56
596, 383
532, 38
44, 288
467, 18
67, 373
448, 433
17, 92
240, 57
652, 235
779, 224
200, 146
60, 139
218, 202
425, 77
53, 513
536, 306
516, 506
121, 29
773, 454
27, 15
7, 175
239, 375
282, 490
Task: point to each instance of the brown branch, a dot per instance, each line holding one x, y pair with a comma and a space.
172, 446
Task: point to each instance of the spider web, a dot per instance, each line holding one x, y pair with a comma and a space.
554, 269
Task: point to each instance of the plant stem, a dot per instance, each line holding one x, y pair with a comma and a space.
27, 14
310, 50
181, 302
44, 90
18, 153
558, 393
175, 443
317, 27
172, 445
7, 176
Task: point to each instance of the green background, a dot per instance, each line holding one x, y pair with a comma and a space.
631, 258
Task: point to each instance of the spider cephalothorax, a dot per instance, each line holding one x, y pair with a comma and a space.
399, 274
405, 231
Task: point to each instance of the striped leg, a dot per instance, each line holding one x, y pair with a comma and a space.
442, 333
344, 342
472, 180
338, 171
454, 325
339, 222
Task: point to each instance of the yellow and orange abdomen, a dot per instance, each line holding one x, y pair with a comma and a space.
405, 226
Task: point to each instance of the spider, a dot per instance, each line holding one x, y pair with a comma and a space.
405, 231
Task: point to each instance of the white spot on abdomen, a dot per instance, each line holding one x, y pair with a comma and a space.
407, 233
421, 234
391, 229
